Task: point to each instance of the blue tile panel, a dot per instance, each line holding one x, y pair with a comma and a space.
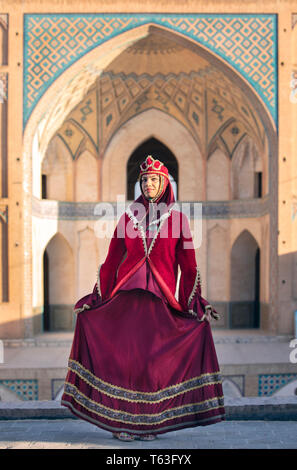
268, 384
25, 389
53, 42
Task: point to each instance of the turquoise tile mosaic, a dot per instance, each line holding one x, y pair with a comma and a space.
53, 42
25, 389
269, 384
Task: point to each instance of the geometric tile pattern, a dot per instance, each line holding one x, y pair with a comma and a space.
211, 115
25, 389
247, 41
80, 131
268, 384
187, 97
53, 42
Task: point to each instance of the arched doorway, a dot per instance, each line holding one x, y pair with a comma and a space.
58, 285
247, 171
159, 151
245, 282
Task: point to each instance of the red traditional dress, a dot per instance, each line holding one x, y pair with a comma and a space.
141, 360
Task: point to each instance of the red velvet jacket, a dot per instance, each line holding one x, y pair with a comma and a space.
172, 246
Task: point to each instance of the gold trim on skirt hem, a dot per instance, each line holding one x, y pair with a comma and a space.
173, 427
136, 419
136, 396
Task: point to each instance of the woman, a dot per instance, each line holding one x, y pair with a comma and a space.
142, 362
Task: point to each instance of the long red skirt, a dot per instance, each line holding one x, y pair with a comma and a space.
138, 366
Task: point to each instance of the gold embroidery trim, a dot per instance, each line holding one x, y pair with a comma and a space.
144, 415
137, 227
163, 218
142, 232
196, 282
143, 393
84, 307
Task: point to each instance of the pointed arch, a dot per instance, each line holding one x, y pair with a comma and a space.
80, 75
158, 150
58, 284
245, 281
57, 172
218, 176
247, 170
161, 126
243, 252
86, 177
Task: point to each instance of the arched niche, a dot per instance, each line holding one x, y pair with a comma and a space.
58, 284
160, 152
247, 171
57, 172
163, 127
218, 177
245, 282
86, 178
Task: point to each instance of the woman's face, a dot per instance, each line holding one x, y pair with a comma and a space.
150, 185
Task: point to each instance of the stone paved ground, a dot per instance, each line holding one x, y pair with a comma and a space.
78, 434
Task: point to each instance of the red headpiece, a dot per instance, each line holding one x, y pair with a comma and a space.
150, 165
